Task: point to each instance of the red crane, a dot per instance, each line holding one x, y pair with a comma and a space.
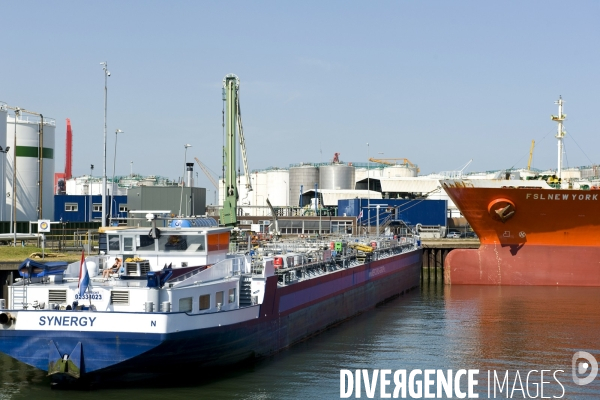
69, 152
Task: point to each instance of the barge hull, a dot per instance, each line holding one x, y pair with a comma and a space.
287, 315
274, 331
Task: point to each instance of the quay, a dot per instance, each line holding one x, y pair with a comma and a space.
435, 252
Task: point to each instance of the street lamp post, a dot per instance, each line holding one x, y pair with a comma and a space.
91, 192
3, 199
106, 75
378, 220
183, 176
112, 183
14, 182
368, 189
131, 170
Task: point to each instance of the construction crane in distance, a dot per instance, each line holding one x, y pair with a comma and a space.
243, 144
530, 155
394, 161
207, 173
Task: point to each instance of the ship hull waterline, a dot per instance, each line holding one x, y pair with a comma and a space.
287, 315
530, 265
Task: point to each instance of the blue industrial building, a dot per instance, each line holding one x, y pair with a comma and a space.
82, 208
411, 212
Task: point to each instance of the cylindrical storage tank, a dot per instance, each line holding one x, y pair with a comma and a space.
3, 156
28, 141
336, 177
244, 196
304, 176
278, 187
399, 171
259, 185
145, 182
221, 192
243, 193
360, 174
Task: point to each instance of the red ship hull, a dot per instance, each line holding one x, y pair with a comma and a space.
530, 265
529, 236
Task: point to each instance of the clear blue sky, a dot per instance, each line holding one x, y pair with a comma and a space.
437, 82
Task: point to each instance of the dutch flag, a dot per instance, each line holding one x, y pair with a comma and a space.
359, 216
84, 276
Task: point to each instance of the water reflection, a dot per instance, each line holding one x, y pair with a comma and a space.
472, 327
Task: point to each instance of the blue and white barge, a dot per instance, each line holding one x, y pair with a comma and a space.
182, 299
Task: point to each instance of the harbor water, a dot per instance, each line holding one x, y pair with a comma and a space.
513, 331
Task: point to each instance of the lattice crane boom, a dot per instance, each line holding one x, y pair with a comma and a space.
207, 173
394, 161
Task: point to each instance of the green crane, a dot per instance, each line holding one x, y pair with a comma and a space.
233, 125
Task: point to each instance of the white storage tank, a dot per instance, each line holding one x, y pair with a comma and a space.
28, 192
278, 187
3, 156
148, 181
254, 198
259, 184
221, 192
336, 177
399, 171
360, 174
245, 197
305, 176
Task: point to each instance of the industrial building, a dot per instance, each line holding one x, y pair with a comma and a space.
176, 200
388, 212
84, 208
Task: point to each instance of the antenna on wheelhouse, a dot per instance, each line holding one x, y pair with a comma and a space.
560, 134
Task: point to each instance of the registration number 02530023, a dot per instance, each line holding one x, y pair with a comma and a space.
89, 296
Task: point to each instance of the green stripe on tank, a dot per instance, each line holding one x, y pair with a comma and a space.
30, 151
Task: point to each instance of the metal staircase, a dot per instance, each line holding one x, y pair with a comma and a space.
245, 291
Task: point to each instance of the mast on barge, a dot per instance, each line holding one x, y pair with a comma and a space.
560, 134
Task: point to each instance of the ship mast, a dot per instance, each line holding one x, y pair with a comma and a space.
560, 134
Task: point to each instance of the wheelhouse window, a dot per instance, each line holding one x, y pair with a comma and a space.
145, 243
232, 295
182, 243
71, 206
127, 244
219, 298
185, 304
205, 302
113, 243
